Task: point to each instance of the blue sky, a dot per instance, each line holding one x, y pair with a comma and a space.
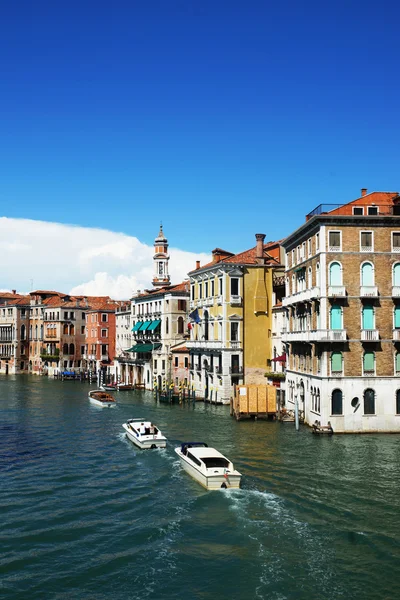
243, 115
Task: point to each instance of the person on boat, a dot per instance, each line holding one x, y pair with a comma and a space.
151, 429
141, 428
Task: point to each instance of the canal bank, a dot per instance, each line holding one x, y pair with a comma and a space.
87, 515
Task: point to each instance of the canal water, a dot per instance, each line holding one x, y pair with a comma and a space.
85, 515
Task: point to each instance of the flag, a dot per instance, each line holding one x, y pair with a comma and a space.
195, 316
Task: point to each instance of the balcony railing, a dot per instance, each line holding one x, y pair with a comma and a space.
219, 300
396, 291
396, 335
208, 301
302, 296
316, 335
236, 300
369, 335
368, 291
335, 291
236, 370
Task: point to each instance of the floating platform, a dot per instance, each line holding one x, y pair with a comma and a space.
254, 401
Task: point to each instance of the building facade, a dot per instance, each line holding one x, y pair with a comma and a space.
343, 308
231, 312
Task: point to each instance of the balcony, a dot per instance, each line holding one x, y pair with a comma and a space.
236, 371
396, 291
317, 335
336, 291
208, 301
235, 300
219, 300
368, 291
304, 296
369, 335
205, 344
396, 335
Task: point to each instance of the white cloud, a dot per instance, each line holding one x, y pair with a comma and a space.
80, 260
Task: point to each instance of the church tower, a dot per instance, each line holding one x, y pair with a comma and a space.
161, 258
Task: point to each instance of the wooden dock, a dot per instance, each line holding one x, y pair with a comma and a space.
254, 401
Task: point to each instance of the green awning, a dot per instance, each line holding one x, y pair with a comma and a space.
145, 326
137, 326
153, 325
144, 348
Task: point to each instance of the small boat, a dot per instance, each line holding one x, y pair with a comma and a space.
101, 398
207, 466
322, 429
144, 434
117, 387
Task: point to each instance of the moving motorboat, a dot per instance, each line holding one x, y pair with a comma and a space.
208, 466
101, 398
144, 434
117, 387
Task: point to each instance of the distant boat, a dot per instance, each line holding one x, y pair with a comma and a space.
144, 434
101, 398
322, 429
207, 466
117, 387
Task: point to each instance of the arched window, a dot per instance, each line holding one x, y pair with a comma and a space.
180, 325
367, 274
312, 399
368, 317
335, 274
72, 330
167, 326
369, 363
396, 274
318, 401
398, 402
41, 332
317, 276
36, 332
23, 332
65, 349
65, 329
294, 289
369, 402
71, 349
206, 325
30, 332
337, 402
287, 291
336, 316
336, 362
309, 277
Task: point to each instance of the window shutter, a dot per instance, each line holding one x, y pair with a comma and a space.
369, 361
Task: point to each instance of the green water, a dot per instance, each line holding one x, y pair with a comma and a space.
84, 514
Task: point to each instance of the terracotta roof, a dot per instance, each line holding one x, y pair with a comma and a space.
22, 300
48, 292
377, 198
179, 287
182, 349
248, 257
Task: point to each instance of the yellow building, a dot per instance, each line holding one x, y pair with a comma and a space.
231, 319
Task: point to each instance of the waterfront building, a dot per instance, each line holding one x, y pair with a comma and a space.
343, 304
231, 305
159, 322
123, 340
100, 332
14, 332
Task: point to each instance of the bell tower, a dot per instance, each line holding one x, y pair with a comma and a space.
161, 258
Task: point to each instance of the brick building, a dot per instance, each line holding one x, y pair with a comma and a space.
343, 308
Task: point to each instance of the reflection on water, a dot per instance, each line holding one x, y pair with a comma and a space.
88, 515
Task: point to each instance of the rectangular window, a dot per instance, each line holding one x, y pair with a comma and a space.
212, 288
65, 315
163, 365
104, 318
234, 332
220, 286
372, 210
358, 210
192, 291
334, 241
200, 290
369, 402
181, 304
317, 241
104, 349
104, 333
234, 286
83, 329
366, 241
206, 289
397, 366
396, 241
336, 362
186, 362
155, 365
82, 350
309, 247
176, 361
83, 316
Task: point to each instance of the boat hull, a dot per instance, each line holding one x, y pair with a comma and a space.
214, 481
101, 404
145, 442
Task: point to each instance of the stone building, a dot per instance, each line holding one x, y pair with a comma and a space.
14, 332
343, 304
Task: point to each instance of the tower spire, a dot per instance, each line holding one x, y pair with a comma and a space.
161, 258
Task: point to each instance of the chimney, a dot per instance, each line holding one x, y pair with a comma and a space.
216, 256
260, 237
14, 292
197, 264
363, 192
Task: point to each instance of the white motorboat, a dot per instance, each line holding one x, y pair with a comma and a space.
208, 466
144, 434
101, 398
